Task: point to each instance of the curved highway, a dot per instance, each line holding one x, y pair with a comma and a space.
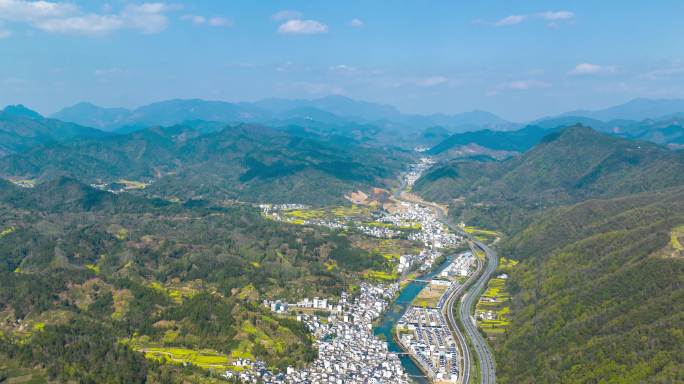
467, 302
485, 357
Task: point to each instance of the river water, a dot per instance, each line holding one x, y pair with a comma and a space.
396, 310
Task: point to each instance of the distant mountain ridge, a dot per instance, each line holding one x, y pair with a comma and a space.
567, 166
331, 109
246, 162
22, 128
636, 109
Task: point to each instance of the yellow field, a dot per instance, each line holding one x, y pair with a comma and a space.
7, 231
205, 358
381, 275
496, 299
305, 213
480, 231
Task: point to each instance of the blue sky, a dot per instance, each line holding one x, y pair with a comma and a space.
519, 59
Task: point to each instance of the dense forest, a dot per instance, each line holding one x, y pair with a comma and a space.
598, 295
90, 277
597, 224
216, 162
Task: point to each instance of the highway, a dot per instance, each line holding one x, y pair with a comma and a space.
484, 354
475, 285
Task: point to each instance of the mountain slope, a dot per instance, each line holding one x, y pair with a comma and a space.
508, 141
22, 128
568, 166
598, 296
92, 115
637, 109
252, 163
330, 109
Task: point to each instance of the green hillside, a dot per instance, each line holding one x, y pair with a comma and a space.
21, 129
252, 163
598, 295
89, 277
569, 166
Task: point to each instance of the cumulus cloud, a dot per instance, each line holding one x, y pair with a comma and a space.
356, 23
87, 24
66, 17
302, 27
26, 11
286, 15
510, 20
591, 69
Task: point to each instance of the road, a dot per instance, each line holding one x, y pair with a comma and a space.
484, 354
467, 302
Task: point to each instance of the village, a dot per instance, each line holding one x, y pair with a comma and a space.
348, 351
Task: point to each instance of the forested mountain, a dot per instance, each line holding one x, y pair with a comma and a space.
636, 109
91, 115
568, 166
330, 109
597, 223
22, 128
89, 276
253, 163
597, 297
504, 142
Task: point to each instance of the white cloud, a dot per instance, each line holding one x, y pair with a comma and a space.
591, 69
432, 81
342, 68
554, 18
557, 15
518, 85
195, 19
88, 24
219, 22
215, 21
67, 18
510, 20
302, 27
147, 17
356, 23
26, 11
286, 15
4, 33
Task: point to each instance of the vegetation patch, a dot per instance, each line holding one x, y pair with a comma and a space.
205, 358
7, 231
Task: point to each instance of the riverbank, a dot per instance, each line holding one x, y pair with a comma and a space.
387, 322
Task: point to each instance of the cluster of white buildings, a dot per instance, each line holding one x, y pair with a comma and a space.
460, 266
417, 169
348, 352
379, 232
425, 334
279, 306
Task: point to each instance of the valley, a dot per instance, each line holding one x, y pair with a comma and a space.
252, 254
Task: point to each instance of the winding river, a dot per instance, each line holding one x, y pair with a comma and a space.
396, 310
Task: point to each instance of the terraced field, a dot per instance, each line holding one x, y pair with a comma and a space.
493, 307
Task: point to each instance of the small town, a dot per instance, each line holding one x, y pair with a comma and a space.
348, 352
